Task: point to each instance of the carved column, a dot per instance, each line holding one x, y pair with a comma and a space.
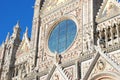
77, 70
106, 37
100, 37
111, 31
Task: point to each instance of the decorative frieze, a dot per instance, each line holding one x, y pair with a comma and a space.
61, 12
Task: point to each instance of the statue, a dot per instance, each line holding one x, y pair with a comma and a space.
57, 57
88, 38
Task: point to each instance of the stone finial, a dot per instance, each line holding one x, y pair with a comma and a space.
18, 23
16, 32
26, 30
17, 27
26, 33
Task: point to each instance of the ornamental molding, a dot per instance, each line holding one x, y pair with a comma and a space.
109, 23
49, 16
57, 73
68, 4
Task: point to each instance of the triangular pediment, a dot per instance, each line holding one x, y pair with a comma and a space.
23, 48
56, 73
109, 9
103, 63
103, 70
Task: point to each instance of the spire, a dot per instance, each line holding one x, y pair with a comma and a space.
16, 31
8, 37
17, 27
26, 33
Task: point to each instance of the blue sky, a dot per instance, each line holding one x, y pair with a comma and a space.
13, 10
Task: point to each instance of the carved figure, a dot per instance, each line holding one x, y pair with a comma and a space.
100, 65
57, 58
56, 77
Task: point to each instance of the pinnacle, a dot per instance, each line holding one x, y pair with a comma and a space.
26, 33
26, 30
8, 36
17, 25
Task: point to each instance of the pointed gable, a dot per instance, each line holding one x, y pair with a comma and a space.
57, 73
25, 45
109, 9
24, 48
103, 70
103, 63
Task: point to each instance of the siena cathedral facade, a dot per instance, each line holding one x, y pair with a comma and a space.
70, 40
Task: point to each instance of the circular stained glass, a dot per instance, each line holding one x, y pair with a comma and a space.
62, 36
